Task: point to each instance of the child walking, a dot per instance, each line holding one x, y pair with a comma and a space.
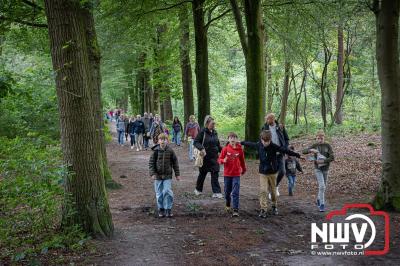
268, 169
291, 165
322, 157
161, 163
232, 157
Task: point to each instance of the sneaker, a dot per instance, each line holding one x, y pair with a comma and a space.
168, 213
235, 213
318, 203
269, 196
197, 193
131, 147
218, 196
322, 207
274, 210
290, 193
137, 149
161, 213
262, 214
228, 209
277, 191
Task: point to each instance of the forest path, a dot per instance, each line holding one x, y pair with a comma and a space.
201, 233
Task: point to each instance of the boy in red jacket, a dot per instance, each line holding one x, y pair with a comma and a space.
232, 157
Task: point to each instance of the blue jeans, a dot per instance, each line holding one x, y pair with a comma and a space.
191, 149
232, 187
176, 137
164, 194
291, 183
322, 178
121, 137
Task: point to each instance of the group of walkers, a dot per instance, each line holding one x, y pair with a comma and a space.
277, 159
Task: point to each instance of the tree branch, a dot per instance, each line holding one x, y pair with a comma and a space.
217, 17
166, 8
34, 5
23, 22
239, 25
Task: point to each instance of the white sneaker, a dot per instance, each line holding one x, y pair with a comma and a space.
218, 196
269, 196
131, 147
197, 193
137, 149
277, 192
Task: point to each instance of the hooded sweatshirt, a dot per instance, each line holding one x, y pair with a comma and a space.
235, 165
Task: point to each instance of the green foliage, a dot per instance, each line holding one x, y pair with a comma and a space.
31, 107
31, 193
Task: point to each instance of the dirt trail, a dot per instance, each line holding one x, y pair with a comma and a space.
201, 233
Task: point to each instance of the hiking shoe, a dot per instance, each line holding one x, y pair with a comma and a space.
290, 193
228, 209
218, 196
318, 203
262, 214
197, 193
161, 213
274, 210
168, 213
322, 207
235, 213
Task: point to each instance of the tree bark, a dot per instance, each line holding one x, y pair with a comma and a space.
94, 61
340, 83
387, 55
253, 50
323, 85
285, 92
86, 199
186, 68
201, 68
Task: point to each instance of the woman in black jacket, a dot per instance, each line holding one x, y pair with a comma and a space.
207, 142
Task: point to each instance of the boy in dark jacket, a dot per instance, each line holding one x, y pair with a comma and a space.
291, 165
322, 157
268, 168
161, 163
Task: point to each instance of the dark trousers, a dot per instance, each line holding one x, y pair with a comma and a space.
281, 168
232, 187
214, 181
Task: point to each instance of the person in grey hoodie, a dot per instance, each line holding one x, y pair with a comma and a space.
147, 125
121, 129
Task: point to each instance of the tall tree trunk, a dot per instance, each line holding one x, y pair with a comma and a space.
86, 199
186, 68
387, 55
327, 59
302, 87
167, 105
285, 92
340, 83
94, 61
201, 69
270, 86
253, 50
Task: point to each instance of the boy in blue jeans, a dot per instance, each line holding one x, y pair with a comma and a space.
162, 162
291, 165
